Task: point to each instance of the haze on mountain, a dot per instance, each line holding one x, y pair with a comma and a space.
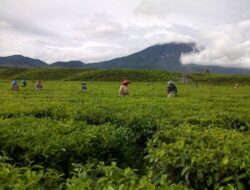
93, 31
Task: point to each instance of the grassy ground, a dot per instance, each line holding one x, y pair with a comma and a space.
199, 139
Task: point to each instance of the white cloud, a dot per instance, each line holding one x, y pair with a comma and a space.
201, 12
92, 30
226, 45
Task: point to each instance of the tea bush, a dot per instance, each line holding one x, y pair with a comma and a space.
201, 157
62, 138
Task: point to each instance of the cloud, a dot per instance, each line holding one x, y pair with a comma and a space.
94, 38
26, 28
211, 12
92, 30
226, 45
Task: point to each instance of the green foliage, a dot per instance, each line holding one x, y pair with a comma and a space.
201, 157
219, 78
62, 138
27, 178
85, 74
110, 177
117, 75
7, 73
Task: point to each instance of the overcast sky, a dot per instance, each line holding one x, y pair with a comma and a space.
97, 30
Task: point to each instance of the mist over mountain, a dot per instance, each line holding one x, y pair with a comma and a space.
158, 57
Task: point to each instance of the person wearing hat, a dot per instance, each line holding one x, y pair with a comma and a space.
236, 85
39, 86
15, 86
123, 91
24, 83
171, 89
84, 86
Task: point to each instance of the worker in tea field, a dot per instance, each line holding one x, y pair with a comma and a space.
39, 85
236, 85
171, 89
149, 84
15, 86
84, 86
123, 91
195, 85
24, 83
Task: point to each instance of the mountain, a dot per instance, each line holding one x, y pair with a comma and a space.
158, 57
69, 64
161, 57
164, 57
21, 61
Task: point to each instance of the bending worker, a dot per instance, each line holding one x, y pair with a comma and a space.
123, 91
15, 86
39, 86
84, 86
171, 89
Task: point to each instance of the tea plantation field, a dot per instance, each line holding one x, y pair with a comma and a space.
62, 138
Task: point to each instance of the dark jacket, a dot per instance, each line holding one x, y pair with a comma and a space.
172, 88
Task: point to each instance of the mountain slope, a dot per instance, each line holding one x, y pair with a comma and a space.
69, 64
162, 57
21, 61
158, 57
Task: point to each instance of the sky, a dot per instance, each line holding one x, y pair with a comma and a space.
98, 30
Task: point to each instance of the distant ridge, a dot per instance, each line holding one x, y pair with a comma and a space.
20, 61
69, 64
158, 57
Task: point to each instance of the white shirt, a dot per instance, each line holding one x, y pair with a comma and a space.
123, 91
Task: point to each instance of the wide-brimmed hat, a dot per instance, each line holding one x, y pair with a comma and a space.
170, 82
125, 82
